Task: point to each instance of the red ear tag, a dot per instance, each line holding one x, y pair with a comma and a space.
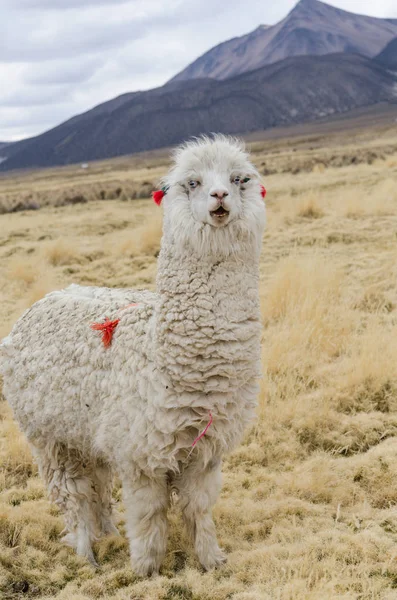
263, 191
157, 196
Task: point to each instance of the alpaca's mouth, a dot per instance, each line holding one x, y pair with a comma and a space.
219, 212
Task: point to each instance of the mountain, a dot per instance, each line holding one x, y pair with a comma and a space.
297, 89
312, 27
4, 147
388, 56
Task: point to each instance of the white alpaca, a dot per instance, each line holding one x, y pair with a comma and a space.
181, 360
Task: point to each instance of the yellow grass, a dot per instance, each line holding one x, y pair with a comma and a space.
308, 510
61, 252
144, 240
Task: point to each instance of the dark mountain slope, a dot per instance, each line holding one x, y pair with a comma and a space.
388, 56
311, 28
290, 91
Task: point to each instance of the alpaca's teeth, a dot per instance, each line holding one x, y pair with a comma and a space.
219, 212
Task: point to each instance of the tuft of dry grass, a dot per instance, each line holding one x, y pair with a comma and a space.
308, 507
144, 240
61, 252
16, 460
22, 271
309, 208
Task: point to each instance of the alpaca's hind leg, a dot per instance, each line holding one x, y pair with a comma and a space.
146, 502
199, 489
71, 488
102, 477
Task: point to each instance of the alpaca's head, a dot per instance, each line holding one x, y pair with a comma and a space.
214, 195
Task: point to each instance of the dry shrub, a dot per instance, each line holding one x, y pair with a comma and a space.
392, 162
319, 480
15, 456
71, 200
308, 206
144, 240
353, 206
23, 270
61, 252
298, 306
145, 190
301, 288
308, 324
34, 282
367, 378
376, 474
34, 490
325, 429
375, 300
44, 285
379, 201
319, 168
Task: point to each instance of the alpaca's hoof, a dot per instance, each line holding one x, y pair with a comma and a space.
146, 566
69, 539
214, 559
82, 549
89, 555
93, 562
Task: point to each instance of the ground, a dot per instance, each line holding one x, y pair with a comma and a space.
308, 507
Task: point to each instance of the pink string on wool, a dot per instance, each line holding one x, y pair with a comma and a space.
128, 306
202, 434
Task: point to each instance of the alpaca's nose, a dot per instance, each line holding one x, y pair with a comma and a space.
219, 193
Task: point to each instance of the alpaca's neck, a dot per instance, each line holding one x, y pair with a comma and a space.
207, 327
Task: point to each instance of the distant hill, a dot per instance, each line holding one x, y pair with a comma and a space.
4, 147
388, 56
294, 90
311, 28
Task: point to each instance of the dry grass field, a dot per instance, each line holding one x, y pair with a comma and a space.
308, 509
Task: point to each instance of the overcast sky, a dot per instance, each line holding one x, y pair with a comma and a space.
61, 57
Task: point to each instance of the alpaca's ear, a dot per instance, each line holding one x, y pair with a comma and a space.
255, 175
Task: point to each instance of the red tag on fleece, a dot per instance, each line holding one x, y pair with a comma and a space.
107, 328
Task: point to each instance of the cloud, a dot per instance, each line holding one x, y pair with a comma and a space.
19, 123
63, 72
50, 38
59, 58
386, 9
34, 97
59, 4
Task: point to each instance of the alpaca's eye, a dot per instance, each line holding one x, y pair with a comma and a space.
237, 179
193, 184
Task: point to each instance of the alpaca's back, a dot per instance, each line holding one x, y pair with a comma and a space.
55, 366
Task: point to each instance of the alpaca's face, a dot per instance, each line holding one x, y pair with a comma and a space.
216, 194
214, 185
214, 178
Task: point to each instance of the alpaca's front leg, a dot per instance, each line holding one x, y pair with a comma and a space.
199, 489
146, 502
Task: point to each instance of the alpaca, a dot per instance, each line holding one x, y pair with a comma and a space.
175, 382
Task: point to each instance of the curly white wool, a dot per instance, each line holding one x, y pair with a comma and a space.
189, 349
